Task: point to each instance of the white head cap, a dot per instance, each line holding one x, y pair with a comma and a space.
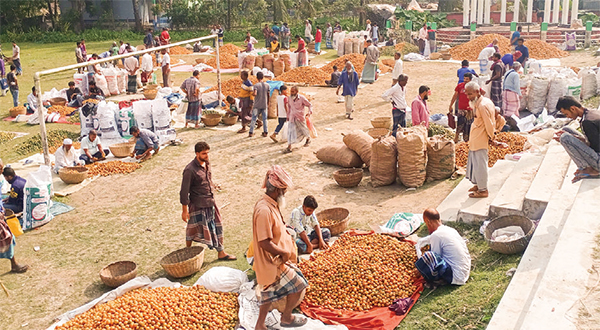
68, 142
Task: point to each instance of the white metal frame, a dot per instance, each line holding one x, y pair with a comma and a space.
38, 77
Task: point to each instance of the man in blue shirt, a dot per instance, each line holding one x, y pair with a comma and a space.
146, 142
349, 81
460, 73
515, 36
14, 201
276, 30
524, 51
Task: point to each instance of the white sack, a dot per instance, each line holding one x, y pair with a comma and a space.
223, 279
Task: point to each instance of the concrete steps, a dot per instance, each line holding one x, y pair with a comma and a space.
459, 207
547, 180
509, 200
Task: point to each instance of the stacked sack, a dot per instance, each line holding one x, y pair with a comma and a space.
384, 152
412, 156
355, 151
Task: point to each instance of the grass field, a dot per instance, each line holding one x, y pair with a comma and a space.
136, 217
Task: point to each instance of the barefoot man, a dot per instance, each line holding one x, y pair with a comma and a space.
199, 209
275, 253
482, 131
297, 129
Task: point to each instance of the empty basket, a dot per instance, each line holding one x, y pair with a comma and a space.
511, 247
382, 122
338, 214
378, 132
58, 101
73, 175
122, 150
150, 94
211, 120
229, 120
348, 177
118, 273
183, 262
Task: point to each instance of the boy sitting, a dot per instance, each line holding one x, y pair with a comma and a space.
309, 233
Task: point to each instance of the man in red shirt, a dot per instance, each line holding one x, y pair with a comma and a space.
464, 111
302, 58
318, 38
165, 38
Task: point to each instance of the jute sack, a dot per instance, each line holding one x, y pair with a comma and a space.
412, 158
278, 67
268, 62
360, 142
384, 153
249, 62
339, 154
440, 158
258, 62
272, 112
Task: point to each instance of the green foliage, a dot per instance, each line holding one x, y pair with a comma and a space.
6, 136
37, 36
589, 16
34, 143
419, 18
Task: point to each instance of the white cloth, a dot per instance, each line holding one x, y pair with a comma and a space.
147, 63
253, 40
397, 95
91, 146
308, 31
123, 49
281, 113
423, 33
65, 159
33, 101
398, 68
16, 52
448, 243
166, 60
130, 65
486, 53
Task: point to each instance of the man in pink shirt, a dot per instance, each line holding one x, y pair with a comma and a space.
420, 112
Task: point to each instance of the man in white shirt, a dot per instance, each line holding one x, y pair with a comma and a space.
147, 68
422, 38
66, 156
484, 59
398, 67
32, 101
309, 234
92, 149
16, 58
397, 95
448, 261
131, 65
166, 68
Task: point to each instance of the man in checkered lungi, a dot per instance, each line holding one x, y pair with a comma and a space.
498, 70
275, 253
198, 203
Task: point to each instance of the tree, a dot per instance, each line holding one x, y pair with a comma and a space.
280, 13
52, 10
136, 14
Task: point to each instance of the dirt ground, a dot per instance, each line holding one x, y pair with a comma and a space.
137, 217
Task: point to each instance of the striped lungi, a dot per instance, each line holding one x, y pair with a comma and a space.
496, 93
193, 111
510, 103
288, 282
205, 227
132, 83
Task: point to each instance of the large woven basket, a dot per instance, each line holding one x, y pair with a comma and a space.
17, 111
118, 273
378, 132
58, 101
348, 177
382, 122
211, 120
511, 247
152, 86
150, 94
73, 175
446, 57
227, 120
122, 150
183, 262
340, 214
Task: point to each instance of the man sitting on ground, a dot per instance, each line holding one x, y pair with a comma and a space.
146, 141
583, 149
335, 77
95, 92
92, 149
448, 261
14, 201
74, 95
309, 233
66, 156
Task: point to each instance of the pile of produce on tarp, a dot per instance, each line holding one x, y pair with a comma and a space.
515, 143
537, 49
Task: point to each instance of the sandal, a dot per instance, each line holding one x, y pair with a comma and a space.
296, 323
265, 134
479, 194
307, 143
473, 189
287, 151
582, 176
243, 130
228, 257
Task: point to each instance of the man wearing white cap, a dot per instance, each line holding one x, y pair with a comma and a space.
66, 156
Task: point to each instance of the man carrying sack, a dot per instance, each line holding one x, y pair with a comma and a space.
274, 253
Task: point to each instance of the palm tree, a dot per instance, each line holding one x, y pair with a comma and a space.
136, 15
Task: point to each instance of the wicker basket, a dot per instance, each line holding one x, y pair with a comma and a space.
435, 56
69, 177
511, 247
229, 120
150, 94
446, 57
58, 101
348, 177
122, 150
339, 213
152, 86
382, 122
17, 111
378, 132
183, 262
211, 120
118, 273
200, 60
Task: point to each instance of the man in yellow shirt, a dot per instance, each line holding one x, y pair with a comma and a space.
482, 132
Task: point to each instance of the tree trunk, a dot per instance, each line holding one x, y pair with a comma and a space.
52, 13
229, 15
136, 15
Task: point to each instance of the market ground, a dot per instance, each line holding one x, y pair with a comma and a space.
137, 216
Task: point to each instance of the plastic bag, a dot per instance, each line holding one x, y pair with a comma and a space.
142, 112
161, 121
311, 128
223, 279
182, 108
403, 224
38, 191
107, 114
